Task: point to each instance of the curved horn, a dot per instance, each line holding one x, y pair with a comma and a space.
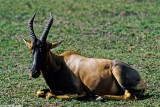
46, 30
30, 28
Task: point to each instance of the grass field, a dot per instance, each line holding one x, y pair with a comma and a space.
128, 30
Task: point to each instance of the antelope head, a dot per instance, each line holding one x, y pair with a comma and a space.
39, 47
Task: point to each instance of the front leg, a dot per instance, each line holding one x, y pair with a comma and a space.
42, 93
50, 95
127, 96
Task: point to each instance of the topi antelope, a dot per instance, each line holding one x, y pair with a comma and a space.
71, 75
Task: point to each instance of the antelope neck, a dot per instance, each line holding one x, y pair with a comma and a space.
53, 62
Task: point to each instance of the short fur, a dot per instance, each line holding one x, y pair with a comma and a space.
71, 75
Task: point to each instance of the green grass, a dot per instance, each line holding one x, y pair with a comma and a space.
128, 30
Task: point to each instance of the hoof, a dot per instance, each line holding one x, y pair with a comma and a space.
127, 95
100, 98
42, 93
50, 95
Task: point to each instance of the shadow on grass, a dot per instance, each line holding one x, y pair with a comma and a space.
146, 96
94, 98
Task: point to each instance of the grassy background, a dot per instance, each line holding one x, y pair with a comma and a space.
128, 30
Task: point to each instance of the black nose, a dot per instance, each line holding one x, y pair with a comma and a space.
35, 73
35, 76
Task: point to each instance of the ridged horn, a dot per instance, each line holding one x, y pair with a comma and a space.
30, 28
47, 28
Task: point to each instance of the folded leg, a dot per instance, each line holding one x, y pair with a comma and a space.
42, 93
127, 96
50, 95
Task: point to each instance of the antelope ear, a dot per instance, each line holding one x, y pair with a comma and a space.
55, 44
28, 43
